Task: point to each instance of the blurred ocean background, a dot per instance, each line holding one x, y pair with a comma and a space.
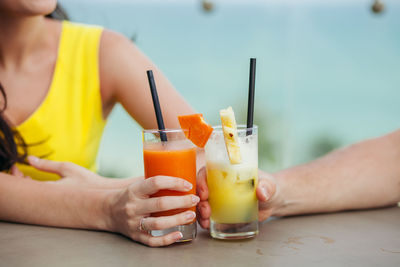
328, 72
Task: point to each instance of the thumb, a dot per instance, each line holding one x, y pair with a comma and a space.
202, 188
61, 168
266, 189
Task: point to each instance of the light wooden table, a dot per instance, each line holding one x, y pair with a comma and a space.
358, 238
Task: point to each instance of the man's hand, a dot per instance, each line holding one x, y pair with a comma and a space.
266, 194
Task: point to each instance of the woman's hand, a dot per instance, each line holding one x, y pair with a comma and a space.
75, 175
266, 194
70, 173
130, 210
127, 210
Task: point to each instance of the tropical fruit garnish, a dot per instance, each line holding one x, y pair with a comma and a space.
229, 129
197, 130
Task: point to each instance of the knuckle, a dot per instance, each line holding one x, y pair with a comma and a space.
130, 210
156, 225
131, 196
156, 182
202, 204
64, 166
202, 173
160, 203
200, 207
126, 209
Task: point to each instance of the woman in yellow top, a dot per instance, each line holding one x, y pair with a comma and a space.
61, 80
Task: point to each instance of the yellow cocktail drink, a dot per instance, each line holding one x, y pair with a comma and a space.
232, 193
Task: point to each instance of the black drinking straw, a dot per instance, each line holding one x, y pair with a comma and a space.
250, 105
156, 103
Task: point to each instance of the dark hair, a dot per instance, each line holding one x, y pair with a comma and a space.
13, 148
58, 13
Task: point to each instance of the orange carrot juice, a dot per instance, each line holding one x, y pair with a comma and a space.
177, 163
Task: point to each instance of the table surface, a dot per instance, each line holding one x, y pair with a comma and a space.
357, 238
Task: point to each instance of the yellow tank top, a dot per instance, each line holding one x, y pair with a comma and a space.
68, 124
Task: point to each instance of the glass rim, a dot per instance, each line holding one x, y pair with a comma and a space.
240, 127
168, 130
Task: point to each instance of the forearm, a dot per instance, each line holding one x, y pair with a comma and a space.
113, 183
33, 202
364, 175
83, 178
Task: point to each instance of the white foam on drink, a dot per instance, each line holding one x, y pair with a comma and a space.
216, 153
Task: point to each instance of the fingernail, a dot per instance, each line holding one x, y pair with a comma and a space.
178, 236
188, 185
33, 159
195, 199
264, 193
190, 215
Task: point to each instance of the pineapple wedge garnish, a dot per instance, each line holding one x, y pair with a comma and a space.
229, 129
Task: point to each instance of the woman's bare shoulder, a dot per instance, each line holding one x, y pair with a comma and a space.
117, 58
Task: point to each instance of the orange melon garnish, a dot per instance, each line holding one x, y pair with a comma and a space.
197, 130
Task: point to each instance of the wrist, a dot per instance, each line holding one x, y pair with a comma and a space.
106, 200
278, 200
292, 195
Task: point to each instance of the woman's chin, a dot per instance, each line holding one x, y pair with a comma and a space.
28, 8
42, 7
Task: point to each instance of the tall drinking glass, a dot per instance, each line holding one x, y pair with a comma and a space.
232, 187
175, 157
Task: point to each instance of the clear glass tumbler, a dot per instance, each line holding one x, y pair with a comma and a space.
232, 187
175, 157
